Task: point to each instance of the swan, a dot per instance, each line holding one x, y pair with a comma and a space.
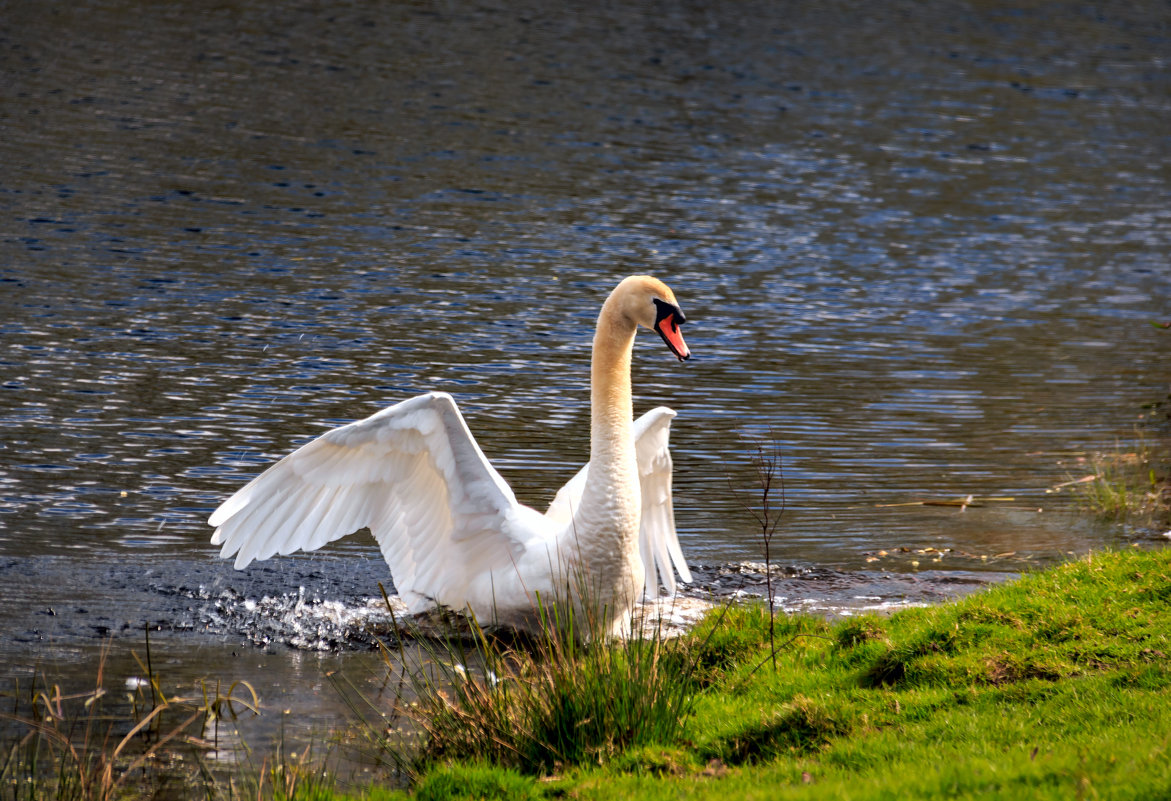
449, 526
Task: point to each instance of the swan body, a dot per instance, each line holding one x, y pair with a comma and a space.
448, 524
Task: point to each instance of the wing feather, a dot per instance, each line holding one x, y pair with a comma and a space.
412, 473
657, 535
307, 530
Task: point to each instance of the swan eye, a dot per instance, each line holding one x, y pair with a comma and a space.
668, 311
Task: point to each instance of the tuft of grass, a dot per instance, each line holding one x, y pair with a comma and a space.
802, 725
855, 631
475, 781
722, 641
553, 701
656, 760
1132, 486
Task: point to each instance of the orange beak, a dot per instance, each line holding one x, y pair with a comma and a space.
667, 324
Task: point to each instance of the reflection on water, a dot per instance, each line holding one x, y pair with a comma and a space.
919, 250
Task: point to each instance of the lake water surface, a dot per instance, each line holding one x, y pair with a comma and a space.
919, 246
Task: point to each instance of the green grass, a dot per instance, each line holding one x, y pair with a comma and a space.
1055, 686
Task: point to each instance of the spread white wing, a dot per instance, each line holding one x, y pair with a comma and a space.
413, 474
658, 541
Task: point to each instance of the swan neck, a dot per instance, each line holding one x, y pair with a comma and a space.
611, 404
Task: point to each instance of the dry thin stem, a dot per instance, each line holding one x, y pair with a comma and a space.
767, 512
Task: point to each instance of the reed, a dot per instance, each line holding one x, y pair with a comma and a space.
97, 744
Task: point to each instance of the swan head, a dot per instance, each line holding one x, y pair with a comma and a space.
650, 303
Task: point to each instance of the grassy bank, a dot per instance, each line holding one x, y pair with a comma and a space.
1055, 686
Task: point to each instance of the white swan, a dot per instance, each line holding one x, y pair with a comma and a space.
448, 525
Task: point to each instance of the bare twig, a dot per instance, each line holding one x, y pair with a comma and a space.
766, 511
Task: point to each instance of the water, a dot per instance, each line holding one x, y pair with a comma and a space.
919, 248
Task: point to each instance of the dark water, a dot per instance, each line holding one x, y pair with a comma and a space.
919, 246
